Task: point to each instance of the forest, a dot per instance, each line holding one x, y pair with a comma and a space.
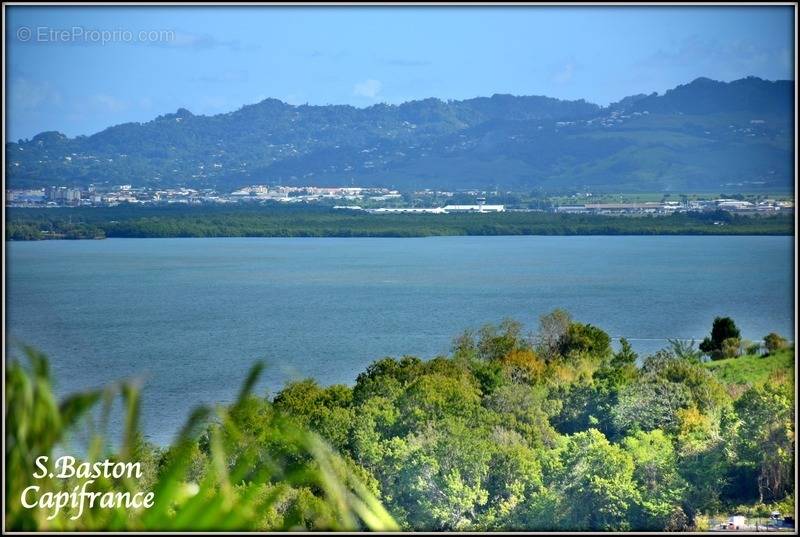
552, 429
277, 221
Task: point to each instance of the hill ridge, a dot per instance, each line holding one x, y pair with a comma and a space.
704, 135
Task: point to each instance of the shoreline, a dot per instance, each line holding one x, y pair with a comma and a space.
391, 236
664, 233
63, 239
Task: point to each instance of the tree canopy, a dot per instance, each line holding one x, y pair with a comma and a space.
556, 430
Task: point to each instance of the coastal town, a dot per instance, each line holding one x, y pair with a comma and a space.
384, 200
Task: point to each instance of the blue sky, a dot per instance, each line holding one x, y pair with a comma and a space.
216, 59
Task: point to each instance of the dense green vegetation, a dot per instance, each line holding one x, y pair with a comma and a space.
552, 431
310, 221
556, 432
704, 135
244, 467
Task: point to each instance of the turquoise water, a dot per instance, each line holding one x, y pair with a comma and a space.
189, 316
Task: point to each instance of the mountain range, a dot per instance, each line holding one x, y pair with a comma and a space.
702, 136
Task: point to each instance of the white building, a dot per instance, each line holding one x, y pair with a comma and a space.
735, 205
576, 209
389, 210
738, 521
474, 208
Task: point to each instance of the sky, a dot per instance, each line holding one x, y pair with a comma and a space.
80, 69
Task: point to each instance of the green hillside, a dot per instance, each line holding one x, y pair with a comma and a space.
754, 369
741, 138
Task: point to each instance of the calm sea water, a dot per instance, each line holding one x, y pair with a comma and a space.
189, 316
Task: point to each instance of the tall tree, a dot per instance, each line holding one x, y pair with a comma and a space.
596, 484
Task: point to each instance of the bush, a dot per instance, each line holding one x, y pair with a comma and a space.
774, 342
585, 338
752, 347
723, 329
685, 350
731, 347
701, 523
497, 341
678, 521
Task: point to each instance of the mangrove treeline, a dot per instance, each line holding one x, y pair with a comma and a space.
279, 221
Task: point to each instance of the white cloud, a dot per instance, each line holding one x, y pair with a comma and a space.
107, 103
406, 62
293, 99
368, 88
26, 94
717, 59
230, 76
564, 74
213, 104
145, 103
102, 104
194, 41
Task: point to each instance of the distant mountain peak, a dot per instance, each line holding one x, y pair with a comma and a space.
706, 96
704, 80
179, 115
50, 137
272, 102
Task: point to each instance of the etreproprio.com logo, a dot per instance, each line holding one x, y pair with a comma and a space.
80, 34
